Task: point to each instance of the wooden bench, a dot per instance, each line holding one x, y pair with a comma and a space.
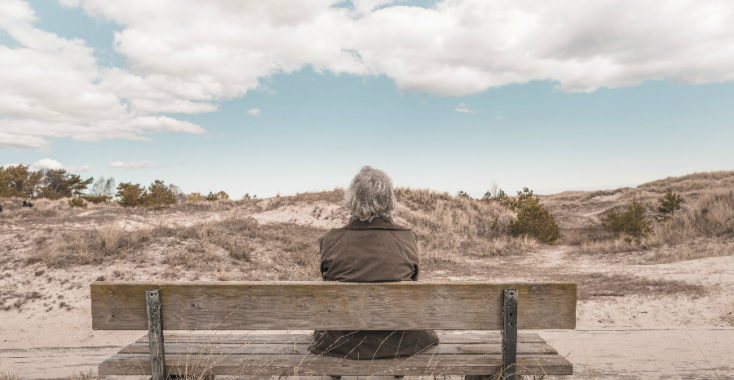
292, 307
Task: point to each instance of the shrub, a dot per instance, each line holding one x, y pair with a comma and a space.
96, 199
159, 196
217, 196
131, 195
533, 219
77, 202
463, 194
669, 203
195, 197
495, 194
523, 197
631, 222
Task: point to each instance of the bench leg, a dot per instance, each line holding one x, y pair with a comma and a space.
509, 335
155, 335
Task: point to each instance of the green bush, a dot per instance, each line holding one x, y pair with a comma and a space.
131, 195
517, 203
631, 222
159, 195
96, 199
77, 202
532, 218
195, 197
669, 203
217, 196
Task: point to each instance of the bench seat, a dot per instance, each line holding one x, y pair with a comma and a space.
258, 354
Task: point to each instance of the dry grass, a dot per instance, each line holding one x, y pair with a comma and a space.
594, 285
258, 252
704, 227
8, 376
82, 375
335, 196
451, 226
83, 247
728, 317
691, 182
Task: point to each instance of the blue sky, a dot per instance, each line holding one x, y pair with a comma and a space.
550, 125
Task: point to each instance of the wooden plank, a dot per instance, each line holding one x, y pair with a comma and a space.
333, 305
509, 335
155, 335
239, 338
289, 365
302, 349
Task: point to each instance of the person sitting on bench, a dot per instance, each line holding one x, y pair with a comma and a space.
370, 248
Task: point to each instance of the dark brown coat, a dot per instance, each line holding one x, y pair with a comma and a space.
380, 251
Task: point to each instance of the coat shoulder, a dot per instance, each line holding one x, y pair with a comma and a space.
331, 237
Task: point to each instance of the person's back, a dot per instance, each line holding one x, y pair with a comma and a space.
371, 248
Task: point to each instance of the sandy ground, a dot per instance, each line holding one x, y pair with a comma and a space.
633, 337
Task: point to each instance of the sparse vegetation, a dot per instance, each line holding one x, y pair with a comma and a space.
77, 202
222, 195
20, 181
669, 203
533, 218
131, 195
195, 197
631, 223
459, 239
158, 195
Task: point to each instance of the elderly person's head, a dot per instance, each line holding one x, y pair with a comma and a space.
371, 195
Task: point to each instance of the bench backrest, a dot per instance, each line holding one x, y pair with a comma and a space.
332, 305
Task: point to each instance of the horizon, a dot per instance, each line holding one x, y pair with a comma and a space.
263, 100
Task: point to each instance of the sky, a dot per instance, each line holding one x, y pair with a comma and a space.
291, 96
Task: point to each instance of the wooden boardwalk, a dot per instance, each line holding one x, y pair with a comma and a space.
605, 353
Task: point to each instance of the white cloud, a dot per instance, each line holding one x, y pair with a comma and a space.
464, 109
51, 164
51, 87
254, 111
187, 60
46, 163
135, 165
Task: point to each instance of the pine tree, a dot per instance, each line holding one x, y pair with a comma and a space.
131, 195
631, 222
159, 195
533, 218
669, 203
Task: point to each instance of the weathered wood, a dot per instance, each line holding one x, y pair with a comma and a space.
155, 335
308, 365
338, 305
198, 349
509, 335
493, 337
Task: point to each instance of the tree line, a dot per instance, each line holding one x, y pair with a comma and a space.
22, 181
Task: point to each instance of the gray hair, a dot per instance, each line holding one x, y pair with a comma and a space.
370, 194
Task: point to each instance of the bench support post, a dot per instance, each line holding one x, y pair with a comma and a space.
509, 334
155, 335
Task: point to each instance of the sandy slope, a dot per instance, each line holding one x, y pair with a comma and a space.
45, 322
